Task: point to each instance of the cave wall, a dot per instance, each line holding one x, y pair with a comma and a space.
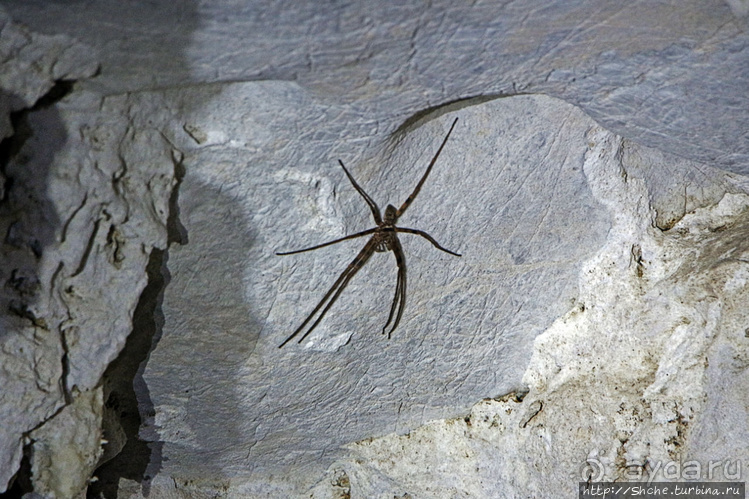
156, 156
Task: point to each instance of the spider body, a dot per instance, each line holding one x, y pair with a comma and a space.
386, 232
384, 238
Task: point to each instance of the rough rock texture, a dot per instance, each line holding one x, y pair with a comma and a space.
80, 213
626, 385
65, 451
603, 266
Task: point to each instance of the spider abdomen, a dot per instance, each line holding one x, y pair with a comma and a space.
384, 244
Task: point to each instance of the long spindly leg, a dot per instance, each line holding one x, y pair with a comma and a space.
333, 299
413, 195
399, 300
396, 300
352, 236
335, 290
372, 205
427, 237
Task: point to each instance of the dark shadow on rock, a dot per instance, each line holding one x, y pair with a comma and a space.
141, 44
29, 223
28, 219
128, 405
126, 395
206, 345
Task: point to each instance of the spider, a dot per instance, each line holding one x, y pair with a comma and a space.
384, 238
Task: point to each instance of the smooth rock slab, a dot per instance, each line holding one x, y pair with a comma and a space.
670, 74
508, 192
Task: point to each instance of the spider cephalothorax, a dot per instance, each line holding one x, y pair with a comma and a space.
391, 215
384, 238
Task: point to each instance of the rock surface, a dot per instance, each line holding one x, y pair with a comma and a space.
623, 386
81, 211
597, 307
520, 216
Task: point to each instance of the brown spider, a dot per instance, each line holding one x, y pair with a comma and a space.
384, 238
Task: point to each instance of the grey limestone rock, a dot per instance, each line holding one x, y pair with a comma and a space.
86, 203
595, 185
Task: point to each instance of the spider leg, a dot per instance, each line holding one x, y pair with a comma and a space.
336, 288
352, 236
332, 299
427, 237
399, 300
413, 195
395, 300
372, 205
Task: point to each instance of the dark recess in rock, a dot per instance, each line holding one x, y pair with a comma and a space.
125, 392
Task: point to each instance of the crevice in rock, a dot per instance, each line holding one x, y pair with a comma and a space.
126, 455
127, 398
65, 369
176, 232
434, 112
59, 91
21, 484
10, 146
